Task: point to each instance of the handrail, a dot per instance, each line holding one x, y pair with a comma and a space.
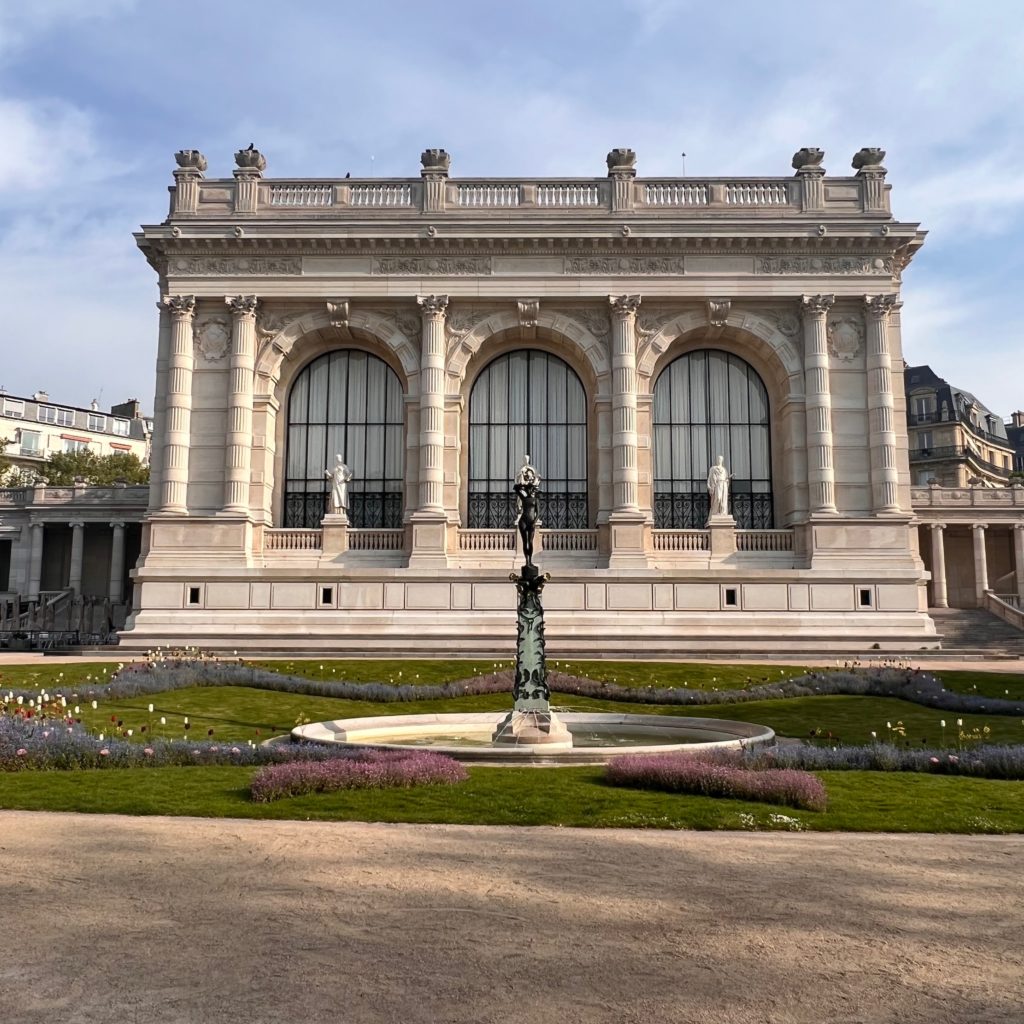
998, 607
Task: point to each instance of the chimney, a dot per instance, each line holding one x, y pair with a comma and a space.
1017, 418
41, 396
94, 405
130, 410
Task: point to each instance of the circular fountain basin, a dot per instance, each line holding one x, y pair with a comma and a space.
595, 737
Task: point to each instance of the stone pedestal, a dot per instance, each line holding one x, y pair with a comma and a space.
627, 540
429, 541
335, 534
533, 728
722, 531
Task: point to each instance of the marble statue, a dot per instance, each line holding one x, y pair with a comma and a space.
718, 488
339, 476
527, 480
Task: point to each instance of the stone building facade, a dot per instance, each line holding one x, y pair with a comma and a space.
623, 331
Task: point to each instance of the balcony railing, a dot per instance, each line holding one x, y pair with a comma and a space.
764, 540
376, 540
681, 540
292, 540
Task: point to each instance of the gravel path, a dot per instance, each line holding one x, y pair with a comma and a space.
139, 920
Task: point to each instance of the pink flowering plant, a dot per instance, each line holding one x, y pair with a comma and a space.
372, 769
681, 772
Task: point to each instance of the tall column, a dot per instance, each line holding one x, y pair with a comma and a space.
939, 595
980, 562
35, 561
429, 521
179, 405
158, 436
1018, 558
434, 309
115, 590
625, 477
77, 555
820, 474
238, 442
881, 405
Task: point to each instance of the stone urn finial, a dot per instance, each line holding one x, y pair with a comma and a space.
251, 159
808, 160
869, 159
190, 160
435, 161
621, 162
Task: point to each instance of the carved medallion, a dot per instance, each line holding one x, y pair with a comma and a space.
845, 338
213, 337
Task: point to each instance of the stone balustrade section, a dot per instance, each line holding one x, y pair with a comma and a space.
487, 540
292, 540
681, 540
376, 540
764, 540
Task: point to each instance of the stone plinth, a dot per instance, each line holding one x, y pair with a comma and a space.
722, 531
532, 728
335, 534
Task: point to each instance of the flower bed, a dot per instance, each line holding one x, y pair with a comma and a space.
688, 773
370, 770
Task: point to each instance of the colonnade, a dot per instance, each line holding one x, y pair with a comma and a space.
115, 578
982, 582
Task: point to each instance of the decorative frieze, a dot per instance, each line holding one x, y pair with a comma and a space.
846, 265
616, 265
447, 266
229, 266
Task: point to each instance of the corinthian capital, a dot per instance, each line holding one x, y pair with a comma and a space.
817, 305
180, 306
432, 305
880, 306
624, 305
242, 305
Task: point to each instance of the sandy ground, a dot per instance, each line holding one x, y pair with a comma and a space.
185, 920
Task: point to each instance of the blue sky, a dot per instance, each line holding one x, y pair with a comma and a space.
96, 95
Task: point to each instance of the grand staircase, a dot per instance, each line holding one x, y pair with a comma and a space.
978, 633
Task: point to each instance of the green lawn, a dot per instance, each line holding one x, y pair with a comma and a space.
237, 712
578, 797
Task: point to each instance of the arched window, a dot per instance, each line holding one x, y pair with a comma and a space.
528, 403
346, 403
710, 403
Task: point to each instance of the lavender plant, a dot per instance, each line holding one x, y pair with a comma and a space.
680, 772
370, 770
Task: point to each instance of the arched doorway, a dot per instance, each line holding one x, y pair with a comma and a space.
346, 402
709, 403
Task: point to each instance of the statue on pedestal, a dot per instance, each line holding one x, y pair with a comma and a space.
339, 476
527, 481
718, 488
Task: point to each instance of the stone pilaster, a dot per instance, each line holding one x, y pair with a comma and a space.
820, 472
980, 562
116, 583
621, 172
191, 165
238, 442
435, 179
1018, 558
939, 596
811, 175
77, 556
180, 362
867, 163
251, 165
35, 561
881, 406
158, 437
626, 519
429, 520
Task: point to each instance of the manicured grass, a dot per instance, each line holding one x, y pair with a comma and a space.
858, 801
237, 712
55, 675
694, 676
1007, 685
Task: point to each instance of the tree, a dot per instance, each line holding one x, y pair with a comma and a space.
64, 468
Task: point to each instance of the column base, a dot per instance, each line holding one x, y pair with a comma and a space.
429, 540
629, 536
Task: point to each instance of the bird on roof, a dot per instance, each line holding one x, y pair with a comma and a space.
348, 174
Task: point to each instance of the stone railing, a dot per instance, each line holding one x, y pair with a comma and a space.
487, 540
568, 540
967, 497
764, 540
120, 496
376, 540
292, 540
1007, 612
681, 540
843, 196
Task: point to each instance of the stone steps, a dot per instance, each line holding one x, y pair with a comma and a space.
974, 630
